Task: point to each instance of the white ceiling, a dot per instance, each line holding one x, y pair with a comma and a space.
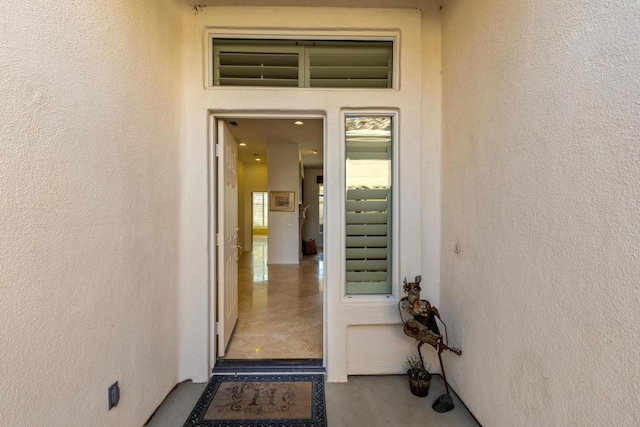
258, 134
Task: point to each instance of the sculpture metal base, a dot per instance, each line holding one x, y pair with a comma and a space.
443, 404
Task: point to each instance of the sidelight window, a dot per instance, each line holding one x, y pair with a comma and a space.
369, 204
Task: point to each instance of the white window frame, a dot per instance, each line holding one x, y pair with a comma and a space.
332, 35
395, 175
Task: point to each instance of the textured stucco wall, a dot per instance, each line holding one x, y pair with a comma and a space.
89, 195
541, 179
430, 168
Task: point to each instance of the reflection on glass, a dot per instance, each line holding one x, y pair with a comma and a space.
368, 205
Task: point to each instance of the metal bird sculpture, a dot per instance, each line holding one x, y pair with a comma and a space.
423, 327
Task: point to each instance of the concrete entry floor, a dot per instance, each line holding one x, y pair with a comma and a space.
362, 401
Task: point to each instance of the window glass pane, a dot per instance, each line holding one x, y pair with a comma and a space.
260, 211
368, 205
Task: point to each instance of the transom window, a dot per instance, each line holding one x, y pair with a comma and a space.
302, 63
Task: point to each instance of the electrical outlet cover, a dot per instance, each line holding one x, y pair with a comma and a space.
114, 395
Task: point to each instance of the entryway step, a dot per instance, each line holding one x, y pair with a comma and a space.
227, 366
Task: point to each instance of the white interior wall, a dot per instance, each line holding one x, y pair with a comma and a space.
256, 179
300, 178
89, 200
244, 209
540, 190
311, 228
341, 313
284, 232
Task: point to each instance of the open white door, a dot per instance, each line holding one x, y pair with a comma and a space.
227, 153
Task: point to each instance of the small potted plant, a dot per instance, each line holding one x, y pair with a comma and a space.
419, 376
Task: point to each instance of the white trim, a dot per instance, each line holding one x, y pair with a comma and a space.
337, 34
325, 292
212, 242
395, 234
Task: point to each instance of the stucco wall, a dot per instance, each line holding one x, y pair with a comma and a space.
430, 166
89, 195
341, 314
540, 191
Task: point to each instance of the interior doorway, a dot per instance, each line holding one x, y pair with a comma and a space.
280, 304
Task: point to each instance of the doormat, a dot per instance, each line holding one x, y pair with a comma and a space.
276, 400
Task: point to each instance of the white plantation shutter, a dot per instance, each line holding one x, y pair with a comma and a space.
260, 211
346, 66
368, 205
302, 63
247, 65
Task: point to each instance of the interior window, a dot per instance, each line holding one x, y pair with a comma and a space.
260, 211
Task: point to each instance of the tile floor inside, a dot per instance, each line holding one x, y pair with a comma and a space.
279, 308
370, 401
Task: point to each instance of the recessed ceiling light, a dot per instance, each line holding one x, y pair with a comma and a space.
298, 122
242, 144
258, 159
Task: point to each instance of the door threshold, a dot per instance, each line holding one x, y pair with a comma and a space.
226, 366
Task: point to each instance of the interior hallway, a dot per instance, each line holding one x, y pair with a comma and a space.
279, 308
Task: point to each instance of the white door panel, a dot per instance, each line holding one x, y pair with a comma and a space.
228, 236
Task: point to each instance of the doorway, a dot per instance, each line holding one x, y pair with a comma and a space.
280, 304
